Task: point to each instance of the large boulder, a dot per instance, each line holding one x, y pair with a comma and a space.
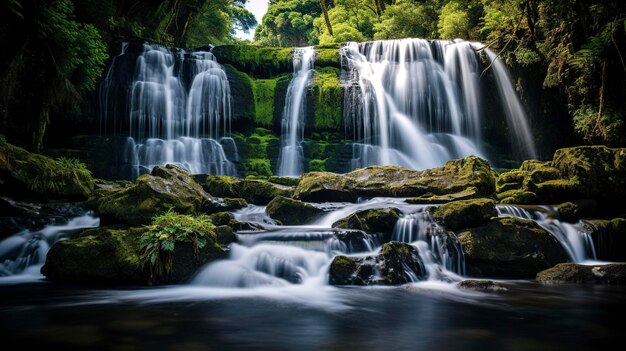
464, 213
583, 172
99, 256
568, 273
166, 188
27, 174
291, 212
163, 253
378, 220
508, 247
609, 238
395, 264
256, 192
471, 175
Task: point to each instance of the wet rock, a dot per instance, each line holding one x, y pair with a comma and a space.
470, 174
167, 188
291, 212
571, 273
464, 213
253, 191
395, 264
574, 210
609, 238
482, 285
378, 220
216, 204
509, 247
355, 240
583, 172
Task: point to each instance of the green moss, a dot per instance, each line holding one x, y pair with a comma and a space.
517, 196
327, 99
221, 186
253, 191
258, 61
317, 165
264, 90
464, 213
258, 167
327, 56
379, 220
45, 176
221, 218
242, 89
287, 181
159, 242
291, 212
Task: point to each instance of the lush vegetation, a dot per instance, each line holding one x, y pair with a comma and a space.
168, 229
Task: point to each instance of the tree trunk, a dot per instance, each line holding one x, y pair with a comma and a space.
40, 128
325, 11
599, 129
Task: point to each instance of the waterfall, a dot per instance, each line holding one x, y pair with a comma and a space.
573, 238
416, 103
178, 110
291, 153
23, 254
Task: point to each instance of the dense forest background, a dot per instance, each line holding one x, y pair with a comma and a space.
567, 56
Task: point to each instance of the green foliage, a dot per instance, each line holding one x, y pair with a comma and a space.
458, 19
288, 23
159, 242
264, 99
257, 61
408, 19
317, 165
351, 21
258, 167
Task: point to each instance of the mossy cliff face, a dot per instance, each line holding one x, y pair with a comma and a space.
27, 174
257, 61
471, 174
327, 100
509, 248
166, 188
590, 172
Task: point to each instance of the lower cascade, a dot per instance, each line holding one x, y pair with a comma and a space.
177, 110
23, 254
291, 153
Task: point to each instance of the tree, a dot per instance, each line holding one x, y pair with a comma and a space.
408, 19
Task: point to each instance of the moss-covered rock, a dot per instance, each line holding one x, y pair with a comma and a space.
464, 213
27, 174
99, 256
242, 88
327, 99
583, 172
570, 273
430, 198
609, 238
166, 188
257, 192
574, 210
264, 99
257, 61
327, 56
291, 212
509, 247
468, 174
387, 268
378, 220
286, 181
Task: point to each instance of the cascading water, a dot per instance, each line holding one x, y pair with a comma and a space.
291, 153
573, 238
169, 122
416, 103
301, 255
23, 254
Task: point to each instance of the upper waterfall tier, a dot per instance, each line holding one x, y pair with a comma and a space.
417, 103
177, 109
